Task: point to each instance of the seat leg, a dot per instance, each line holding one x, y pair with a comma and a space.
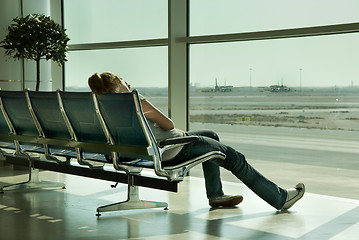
33, 182
133, 201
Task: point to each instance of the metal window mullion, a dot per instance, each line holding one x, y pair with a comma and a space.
274, 34
178, 63
22, 61
120, 44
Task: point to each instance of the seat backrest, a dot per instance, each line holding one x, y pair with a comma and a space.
17, 109
47, 110
119, 114
80, 110
4, 129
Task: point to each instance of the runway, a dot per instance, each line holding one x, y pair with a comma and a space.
327, 161
313, 139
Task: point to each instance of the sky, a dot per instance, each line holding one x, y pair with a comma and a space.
310, 61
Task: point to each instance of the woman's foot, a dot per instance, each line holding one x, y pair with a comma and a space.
225, 201
293, 195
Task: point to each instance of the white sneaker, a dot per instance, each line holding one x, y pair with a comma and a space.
294, 194
225, 201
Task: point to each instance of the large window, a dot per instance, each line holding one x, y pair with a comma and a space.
144, 68
235, 16
289, 101
94, 21
286, 103
275, 79
141, 67
322, 61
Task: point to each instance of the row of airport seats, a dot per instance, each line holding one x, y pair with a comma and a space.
105, 137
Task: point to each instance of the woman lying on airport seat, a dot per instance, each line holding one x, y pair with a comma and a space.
164, 128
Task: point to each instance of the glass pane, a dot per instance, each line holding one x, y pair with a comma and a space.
36, 6
286, 104
10, 73
89, 21
231, 16
144, 69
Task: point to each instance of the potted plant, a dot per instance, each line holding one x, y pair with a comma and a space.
36, 37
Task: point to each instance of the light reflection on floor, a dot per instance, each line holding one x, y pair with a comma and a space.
70, 214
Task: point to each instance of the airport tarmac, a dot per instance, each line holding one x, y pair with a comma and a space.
327, 161
288, 138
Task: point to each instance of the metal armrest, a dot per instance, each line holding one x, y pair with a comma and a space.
178, 140
177, 171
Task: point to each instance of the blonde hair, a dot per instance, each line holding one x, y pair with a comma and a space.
103, 83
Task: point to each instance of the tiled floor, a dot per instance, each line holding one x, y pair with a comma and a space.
70, 213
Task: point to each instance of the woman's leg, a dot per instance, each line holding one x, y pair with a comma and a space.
263, 187
211, 172
237, 164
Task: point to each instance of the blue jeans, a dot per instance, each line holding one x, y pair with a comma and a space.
234, 162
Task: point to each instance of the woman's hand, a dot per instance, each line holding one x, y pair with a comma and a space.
124, 86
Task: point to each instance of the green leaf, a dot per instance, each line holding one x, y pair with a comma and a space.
36, 36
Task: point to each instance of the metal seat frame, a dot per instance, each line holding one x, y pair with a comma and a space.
144, 145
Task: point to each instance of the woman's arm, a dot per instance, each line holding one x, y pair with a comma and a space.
156, 116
